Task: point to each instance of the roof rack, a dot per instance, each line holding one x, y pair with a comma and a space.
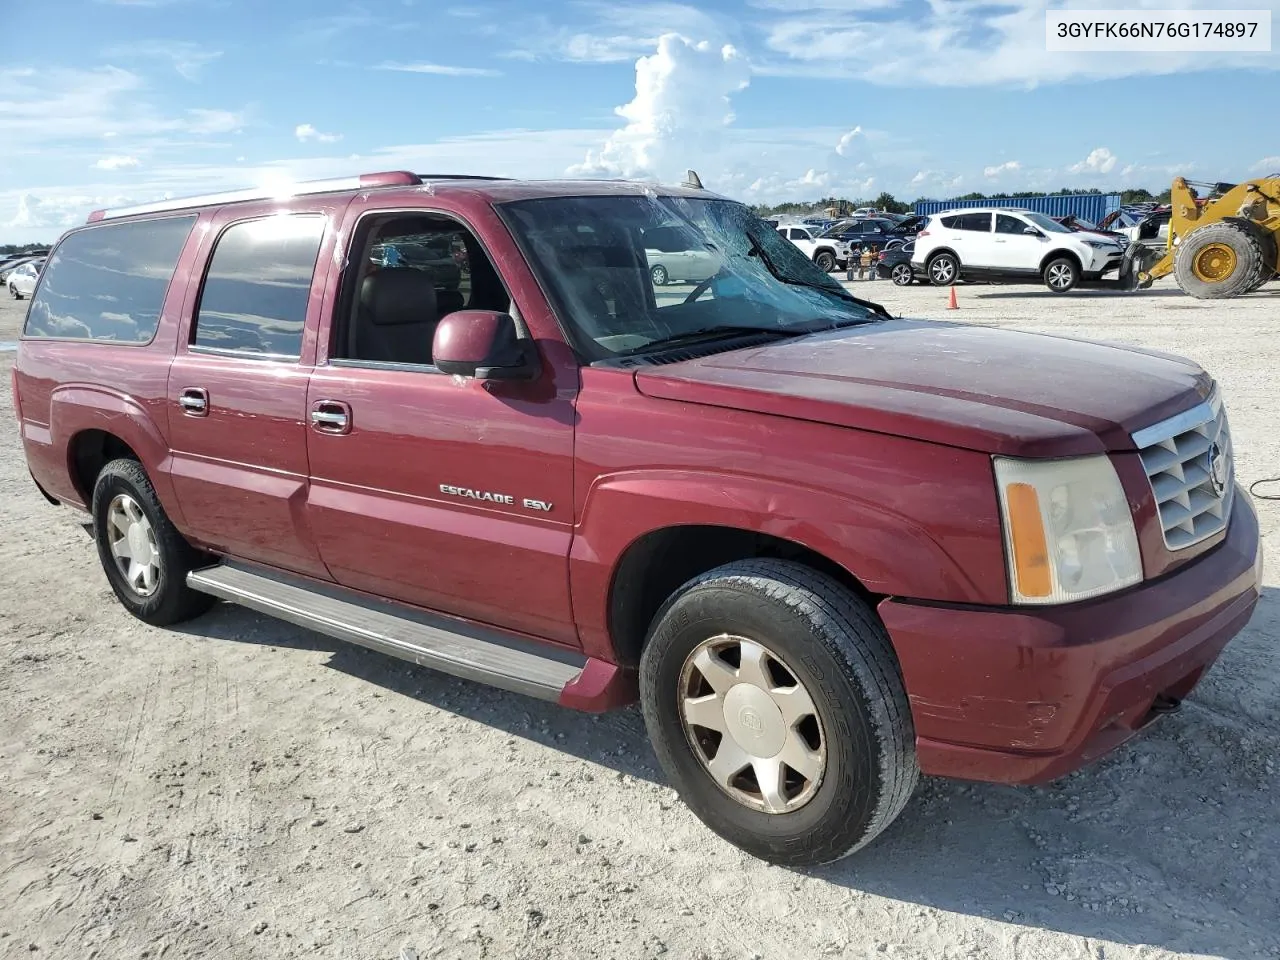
365, 181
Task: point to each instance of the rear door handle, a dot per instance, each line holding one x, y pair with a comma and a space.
331, 416
194, 401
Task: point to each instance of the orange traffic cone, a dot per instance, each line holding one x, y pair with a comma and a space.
951, 303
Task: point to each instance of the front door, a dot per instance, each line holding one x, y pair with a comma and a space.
1015, 248
446, 493
237, 390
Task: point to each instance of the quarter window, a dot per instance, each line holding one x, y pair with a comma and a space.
109, 282
258, 284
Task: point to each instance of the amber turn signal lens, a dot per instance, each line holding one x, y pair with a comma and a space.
1026, 534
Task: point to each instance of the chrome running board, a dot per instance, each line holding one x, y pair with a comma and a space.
451, 646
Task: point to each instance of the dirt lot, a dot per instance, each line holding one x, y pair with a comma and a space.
242, 788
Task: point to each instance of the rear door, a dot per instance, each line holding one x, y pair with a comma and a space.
237, 394
973, 240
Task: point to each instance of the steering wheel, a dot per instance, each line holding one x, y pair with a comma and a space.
702, 287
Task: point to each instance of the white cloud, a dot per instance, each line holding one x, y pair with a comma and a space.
954, 43
813, 178
1100, 161
440, 69
187, 58
602, 32
1009, 166
117, 162
921, 177
682, 98
1267, 165
305, 132
845, 145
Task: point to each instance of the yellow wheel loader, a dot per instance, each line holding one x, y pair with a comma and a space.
1223, 245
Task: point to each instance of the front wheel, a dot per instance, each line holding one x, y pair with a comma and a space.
901, 274
659, 275
944, 270
775, 705
145, 558
13, 292
1061, 275
825, 261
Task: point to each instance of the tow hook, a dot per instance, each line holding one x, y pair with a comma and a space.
1165, 704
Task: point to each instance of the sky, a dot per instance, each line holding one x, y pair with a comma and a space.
112, 102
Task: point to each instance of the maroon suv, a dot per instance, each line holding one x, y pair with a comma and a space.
829, 550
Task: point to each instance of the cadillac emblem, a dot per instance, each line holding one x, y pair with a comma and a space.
1218, 468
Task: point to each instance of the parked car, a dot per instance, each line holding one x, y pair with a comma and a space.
877, 230
828, 550
12, 265
827, 252
1150, 228
1009, 244
679, 265
22, 281
895, 264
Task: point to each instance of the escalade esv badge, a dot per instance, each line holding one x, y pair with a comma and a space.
488, 496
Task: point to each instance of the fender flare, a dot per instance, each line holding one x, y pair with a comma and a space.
77, 407
876, 546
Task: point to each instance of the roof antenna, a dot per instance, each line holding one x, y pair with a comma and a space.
691, 181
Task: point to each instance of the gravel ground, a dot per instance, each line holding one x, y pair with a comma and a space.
242, 788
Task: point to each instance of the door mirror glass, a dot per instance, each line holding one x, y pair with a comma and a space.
1032, 232
483, 344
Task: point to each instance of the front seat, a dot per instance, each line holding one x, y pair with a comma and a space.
398, 316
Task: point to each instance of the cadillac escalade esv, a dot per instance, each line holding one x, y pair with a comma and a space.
827, 549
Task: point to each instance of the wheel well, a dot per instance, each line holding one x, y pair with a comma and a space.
91, 450
821, 250
655, 565
933, 254
1060, 255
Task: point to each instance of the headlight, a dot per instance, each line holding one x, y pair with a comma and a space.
1100, 244
1068, 531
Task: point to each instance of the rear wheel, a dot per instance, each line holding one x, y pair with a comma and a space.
775, 706
1221, 260
13, 292
825, 260
901, 274
145, 558
1061, 274
659, 275
944, 270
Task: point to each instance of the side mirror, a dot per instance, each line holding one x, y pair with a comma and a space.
483, 344
1032, 232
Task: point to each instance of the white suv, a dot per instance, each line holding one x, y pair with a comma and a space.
826, 252
1008, 244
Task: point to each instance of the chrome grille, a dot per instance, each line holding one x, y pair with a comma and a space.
1188, 461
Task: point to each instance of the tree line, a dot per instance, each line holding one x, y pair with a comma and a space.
890, 204
9, 249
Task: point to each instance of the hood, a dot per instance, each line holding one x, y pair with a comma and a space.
1096, 235
982, 388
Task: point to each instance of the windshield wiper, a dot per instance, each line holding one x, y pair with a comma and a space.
718, 332
755, 250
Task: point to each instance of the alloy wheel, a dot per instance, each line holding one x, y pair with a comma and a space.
752, 724
133, 545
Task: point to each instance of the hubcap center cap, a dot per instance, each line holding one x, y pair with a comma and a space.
754, 720
139, 543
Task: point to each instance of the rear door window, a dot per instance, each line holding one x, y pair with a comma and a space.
977, 222
256, 291
109, 282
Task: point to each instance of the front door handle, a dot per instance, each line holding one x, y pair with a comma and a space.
194, 401
331, 416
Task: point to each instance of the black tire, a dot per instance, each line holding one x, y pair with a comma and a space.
1268, 242
825, 260
1061, 274
837, 648
13, 292
901, 274
1251, 267
658, 274
172, 600
943, 269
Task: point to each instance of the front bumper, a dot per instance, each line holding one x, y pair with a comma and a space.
1026, 695
1102, 262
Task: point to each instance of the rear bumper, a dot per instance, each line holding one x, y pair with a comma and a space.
1028, 695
